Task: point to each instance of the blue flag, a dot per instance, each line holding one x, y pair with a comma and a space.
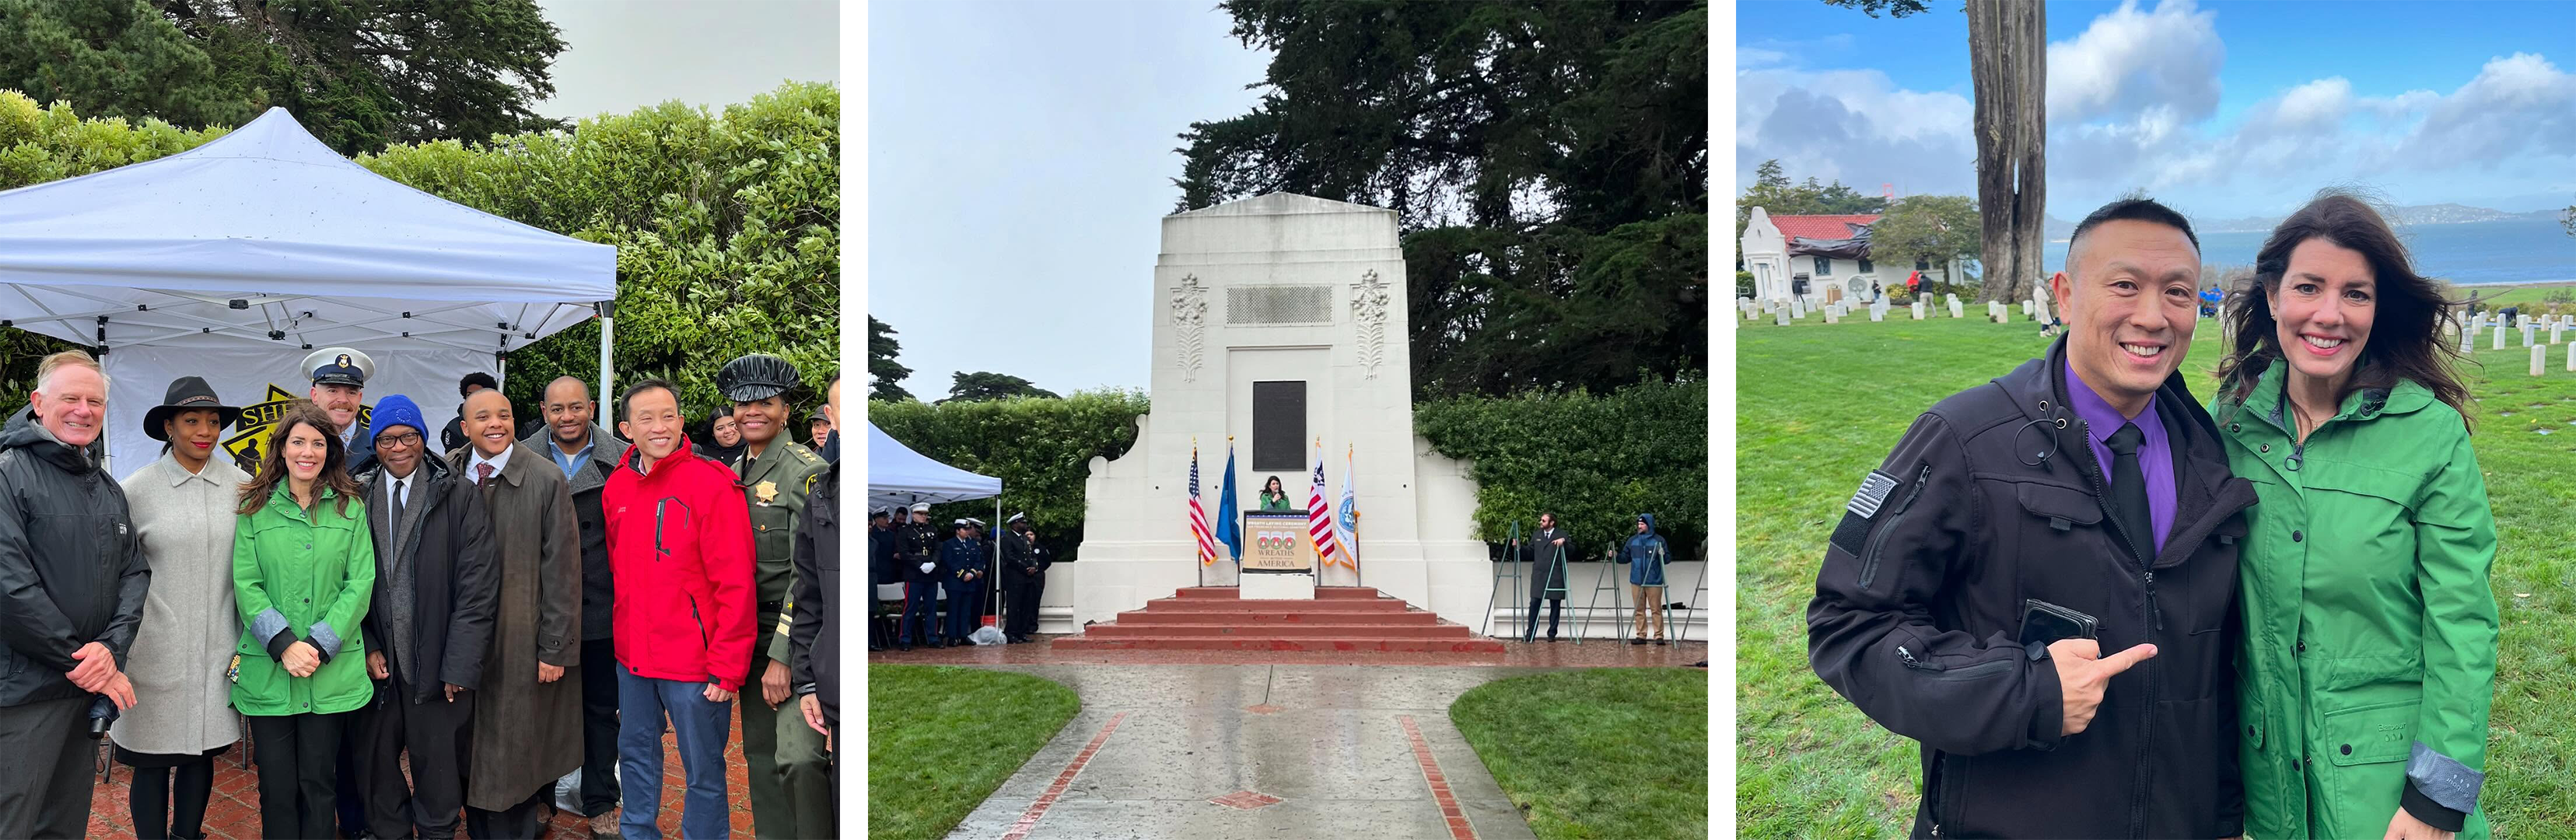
1228, 529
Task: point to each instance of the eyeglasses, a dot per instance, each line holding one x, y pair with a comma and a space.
408, 439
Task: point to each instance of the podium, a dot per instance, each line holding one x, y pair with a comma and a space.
1278, 557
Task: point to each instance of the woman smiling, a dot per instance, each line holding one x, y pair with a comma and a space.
2370, 630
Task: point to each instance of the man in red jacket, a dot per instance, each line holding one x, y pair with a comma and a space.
679, 543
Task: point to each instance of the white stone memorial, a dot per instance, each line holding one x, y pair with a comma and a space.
1955, 312
2571, 358
1877, 312
1833, 313
1781, 313
1305, 297
2539, 359
1797, 311
2499, 338
1918, 310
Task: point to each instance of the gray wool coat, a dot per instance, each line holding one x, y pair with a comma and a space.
182, 700
528, 734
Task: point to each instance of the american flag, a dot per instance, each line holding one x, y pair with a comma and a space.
1319, 513
1198, 514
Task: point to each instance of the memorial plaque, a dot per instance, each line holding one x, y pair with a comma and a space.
1255, 305
1279, 426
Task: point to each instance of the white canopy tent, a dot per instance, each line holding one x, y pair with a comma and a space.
899, 476
263, 245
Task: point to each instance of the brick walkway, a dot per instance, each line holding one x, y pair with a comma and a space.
1593, 653
233, 814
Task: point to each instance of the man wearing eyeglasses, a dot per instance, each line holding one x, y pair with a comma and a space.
587, 454
437, 595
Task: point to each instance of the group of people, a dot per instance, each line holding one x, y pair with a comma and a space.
2105, 608
947, 575
519, 609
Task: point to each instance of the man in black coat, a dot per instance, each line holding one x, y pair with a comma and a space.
427, 629
1023, 578
72, 582
814, 634
1549, 549
917, 553
1998, 590
881, 571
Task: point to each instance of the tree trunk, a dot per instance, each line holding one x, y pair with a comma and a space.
2008, 63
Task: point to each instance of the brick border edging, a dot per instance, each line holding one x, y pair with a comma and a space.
1037, 809
1459, 827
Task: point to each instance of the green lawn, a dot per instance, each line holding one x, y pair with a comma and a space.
1598, 753
2533, 299
1818, 406
941, 739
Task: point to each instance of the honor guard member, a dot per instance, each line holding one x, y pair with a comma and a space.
791, 778
340, 377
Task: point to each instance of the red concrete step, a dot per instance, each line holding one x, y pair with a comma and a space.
1298, 616
1219, 592
1337, 592
1470, 645
1299, 631
1231, 592
1274, 605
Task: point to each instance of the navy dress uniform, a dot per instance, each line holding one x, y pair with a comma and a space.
346, 366
960, 558
917, 555
790, 776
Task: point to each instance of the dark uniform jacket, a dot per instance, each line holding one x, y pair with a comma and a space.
71, 566
1919, 607
814, 661
1547, 568
1021, 560
434, 622
915, 545
598, 584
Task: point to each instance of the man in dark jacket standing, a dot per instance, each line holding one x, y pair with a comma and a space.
527, 727
881, 571
587, 454
814, 639
917, 553
427, 630
2075, 507
961, 570
1549, 548
72, 581
1023, 578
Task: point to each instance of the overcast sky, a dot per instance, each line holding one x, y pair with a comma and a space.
620, 56
2223, 109
1020, 160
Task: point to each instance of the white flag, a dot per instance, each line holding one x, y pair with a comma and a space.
1346, 522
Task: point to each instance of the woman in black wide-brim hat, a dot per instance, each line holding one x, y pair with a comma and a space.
183, 512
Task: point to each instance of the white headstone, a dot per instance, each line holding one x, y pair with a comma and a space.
2526, 333
2557, 332
2025, 306
1918, 310
1833, 313
2499, 338
2468, 343
1780, 315
2539, 359
1954, 308
1797, 310
2571, 358
1877, 312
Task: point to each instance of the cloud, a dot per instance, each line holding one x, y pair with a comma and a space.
1855, 126
2129, 63
2517, 105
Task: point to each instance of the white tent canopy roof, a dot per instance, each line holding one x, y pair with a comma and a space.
899, 476
265, 236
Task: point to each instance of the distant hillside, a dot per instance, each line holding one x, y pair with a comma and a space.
2422, 214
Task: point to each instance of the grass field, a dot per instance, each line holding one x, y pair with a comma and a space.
941, 739
1597, 754
1818, 406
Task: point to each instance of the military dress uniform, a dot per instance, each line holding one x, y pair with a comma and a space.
790, 776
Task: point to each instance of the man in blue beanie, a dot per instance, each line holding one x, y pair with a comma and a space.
436, 600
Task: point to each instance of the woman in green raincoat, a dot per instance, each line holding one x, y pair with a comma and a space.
304, 571
2369, 651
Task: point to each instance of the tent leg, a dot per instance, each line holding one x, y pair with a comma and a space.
607, 358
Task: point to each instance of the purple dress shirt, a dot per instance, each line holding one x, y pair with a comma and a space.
2155, 456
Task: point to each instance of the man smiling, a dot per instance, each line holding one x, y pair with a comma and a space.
340, 377
2022, 529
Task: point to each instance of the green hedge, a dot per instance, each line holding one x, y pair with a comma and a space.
1040, 448
727, 225
1596, 461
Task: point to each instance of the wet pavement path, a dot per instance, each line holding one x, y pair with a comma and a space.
1212, 752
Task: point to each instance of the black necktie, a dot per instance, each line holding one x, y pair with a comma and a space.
2129, 488
396, 522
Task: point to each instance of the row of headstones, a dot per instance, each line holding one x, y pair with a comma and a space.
1796, 309
2557, 325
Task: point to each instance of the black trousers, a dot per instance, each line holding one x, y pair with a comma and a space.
298, 758
46, 768
521, 822
1555, 609
436, 734
598, 727
1021, 613
162, 808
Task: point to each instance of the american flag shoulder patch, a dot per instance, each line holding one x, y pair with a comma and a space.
1872, 494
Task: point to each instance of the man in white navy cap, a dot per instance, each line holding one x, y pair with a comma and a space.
340, 377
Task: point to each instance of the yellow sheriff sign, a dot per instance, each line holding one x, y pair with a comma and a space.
250, 437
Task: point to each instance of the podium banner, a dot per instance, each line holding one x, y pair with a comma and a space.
1277, 543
